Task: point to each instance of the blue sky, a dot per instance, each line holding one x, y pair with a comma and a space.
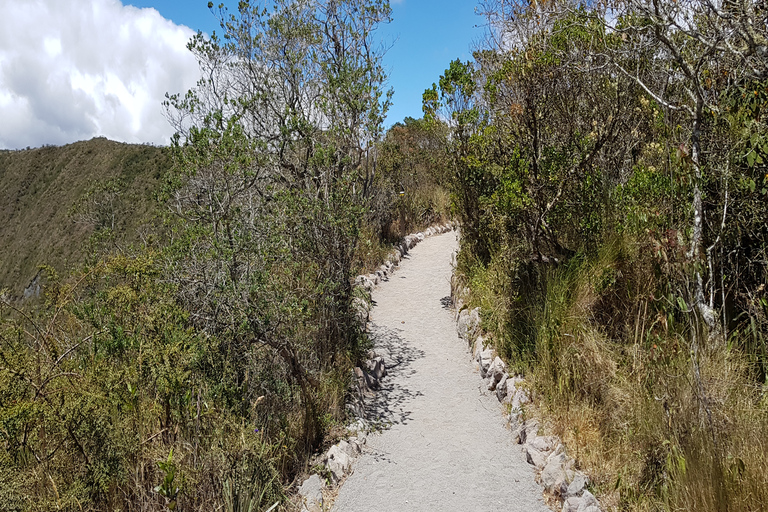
76, 69
425, 36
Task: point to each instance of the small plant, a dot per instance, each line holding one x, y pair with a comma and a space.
167, 488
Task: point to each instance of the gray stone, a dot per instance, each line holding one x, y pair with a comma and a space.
571, 504
527, 431
553, 476
543, 443
473, 324
588, 501
479, 347
365, 381
484, 359
311, 492
361, 309
458, 307
577, 485
364, 282
538, 449
495, 372
350, 447
359, 427
462, 324
501, 388
360, 439
338, 462
376, 367
508, 389
558, 456
519, 399
535, 457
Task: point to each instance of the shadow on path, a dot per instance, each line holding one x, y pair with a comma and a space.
392, 403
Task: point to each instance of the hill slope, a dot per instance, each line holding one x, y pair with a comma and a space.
53, 199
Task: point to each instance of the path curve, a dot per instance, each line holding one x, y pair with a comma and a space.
443, 444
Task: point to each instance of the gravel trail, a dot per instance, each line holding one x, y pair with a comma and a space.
443, 444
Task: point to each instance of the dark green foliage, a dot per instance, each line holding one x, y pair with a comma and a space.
202, 369
608, 168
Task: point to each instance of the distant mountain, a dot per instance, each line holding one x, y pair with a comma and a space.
57, 204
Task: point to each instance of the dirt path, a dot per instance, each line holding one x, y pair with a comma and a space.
443, 446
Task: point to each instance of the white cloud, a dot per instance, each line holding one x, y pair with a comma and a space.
76, 69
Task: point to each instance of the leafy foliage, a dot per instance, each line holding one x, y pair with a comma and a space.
607, 165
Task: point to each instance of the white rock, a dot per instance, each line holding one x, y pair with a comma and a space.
338, 462
311, 492
484, 359
527, 430
365, 381
538, 449
462, 324
577, 485
553, 476
458, 305
571, 504
420, 237
376, 367
535, 457
479, 347
588, 501
473, 324
495, 372
519, 399
501, 388
543, 443
359, 427
350, 447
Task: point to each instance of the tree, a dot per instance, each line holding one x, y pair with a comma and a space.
694, 50
270, 152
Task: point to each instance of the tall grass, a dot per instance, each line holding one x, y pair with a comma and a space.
661, 415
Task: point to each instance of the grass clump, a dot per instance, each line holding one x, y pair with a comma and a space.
660, 415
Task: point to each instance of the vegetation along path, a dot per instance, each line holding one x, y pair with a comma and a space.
443, 445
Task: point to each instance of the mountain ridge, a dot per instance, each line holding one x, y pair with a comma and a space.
54, 201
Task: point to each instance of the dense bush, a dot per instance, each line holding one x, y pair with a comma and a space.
609, 170
201, 370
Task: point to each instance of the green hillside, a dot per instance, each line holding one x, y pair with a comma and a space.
54, 199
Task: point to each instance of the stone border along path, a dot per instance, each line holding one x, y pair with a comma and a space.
440, 442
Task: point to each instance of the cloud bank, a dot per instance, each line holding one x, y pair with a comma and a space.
75, 69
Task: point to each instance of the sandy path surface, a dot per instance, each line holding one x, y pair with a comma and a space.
443, 444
